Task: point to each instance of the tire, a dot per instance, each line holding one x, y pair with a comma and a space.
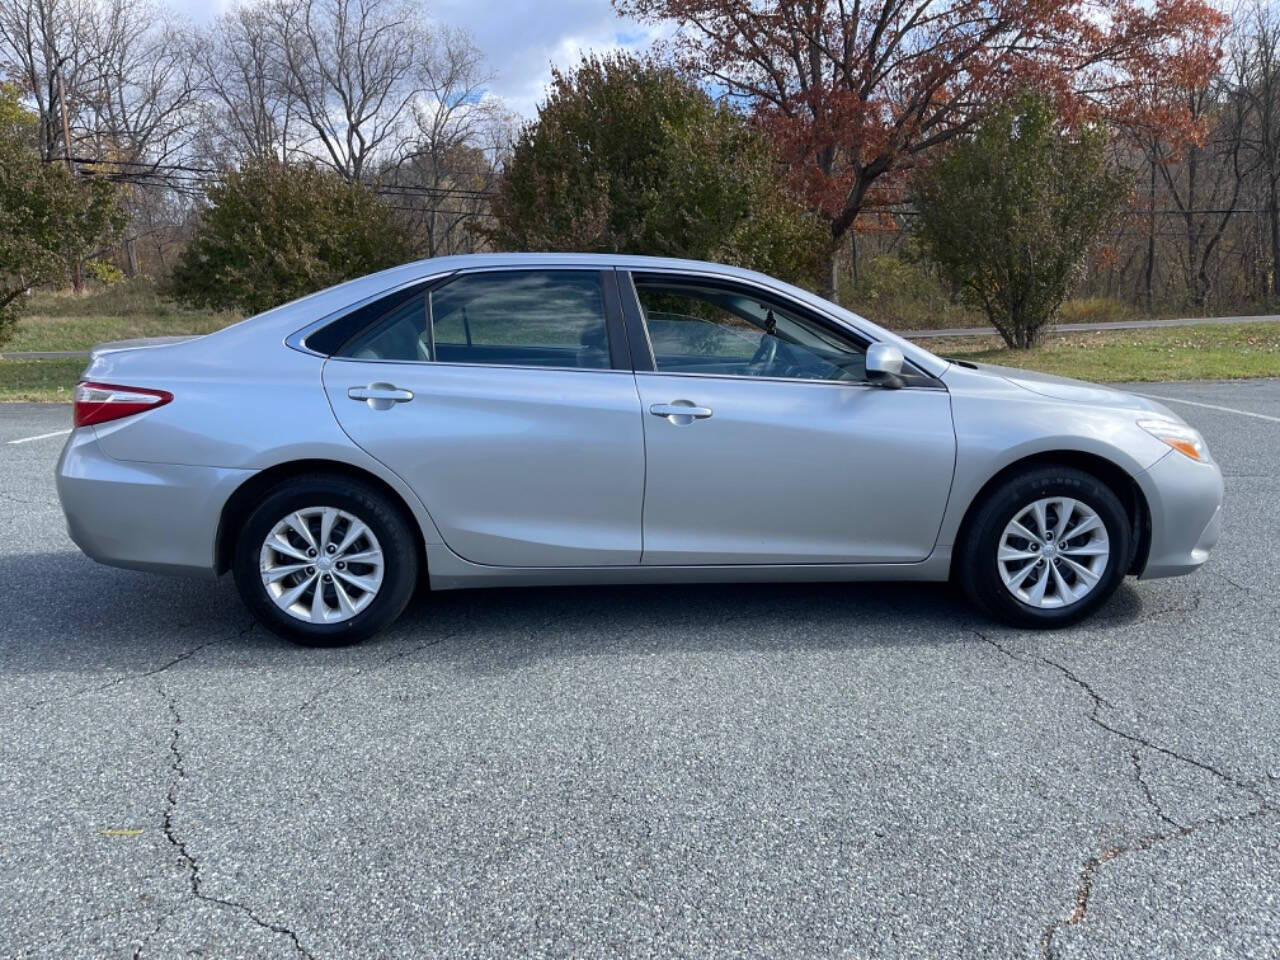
376, 584
990, 537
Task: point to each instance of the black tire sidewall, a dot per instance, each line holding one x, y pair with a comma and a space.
979, 571
389, 525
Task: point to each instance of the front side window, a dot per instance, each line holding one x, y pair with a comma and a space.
729, 331
528, 318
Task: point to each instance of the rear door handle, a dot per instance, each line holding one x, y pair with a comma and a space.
680, 412
380, 396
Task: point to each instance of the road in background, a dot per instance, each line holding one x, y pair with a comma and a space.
818, 771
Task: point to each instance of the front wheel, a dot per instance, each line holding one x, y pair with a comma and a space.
326, 561
1046, 548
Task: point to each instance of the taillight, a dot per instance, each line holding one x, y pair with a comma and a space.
100, 402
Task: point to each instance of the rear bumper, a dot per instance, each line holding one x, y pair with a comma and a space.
1185, 499
160, 517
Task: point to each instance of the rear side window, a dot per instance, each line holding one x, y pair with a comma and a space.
529, 318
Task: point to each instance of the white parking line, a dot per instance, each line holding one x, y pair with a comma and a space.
42, 436
1214, 406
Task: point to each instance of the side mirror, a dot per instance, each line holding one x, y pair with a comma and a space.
884, 365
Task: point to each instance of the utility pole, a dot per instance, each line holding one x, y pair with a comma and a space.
77, 280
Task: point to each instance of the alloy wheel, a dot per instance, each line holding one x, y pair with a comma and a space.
1053, 552
321, 565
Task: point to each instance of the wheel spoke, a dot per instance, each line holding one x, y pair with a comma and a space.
327, 520
1066, 508
1064, 592
1037, 592
355, 529
1019, 578
280, 545
272, 574
318, 609
1042, 521
1018, 530
345, 606
290, 597
367, 584
1013, 555
371, 557
1089, 523
1089, 577
1094, 548
299, 526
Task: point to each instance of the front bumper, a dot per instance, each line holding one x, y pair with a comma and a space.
161, 517
1185, 498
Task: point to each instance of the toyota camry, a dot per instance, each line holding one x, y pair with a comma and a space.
514, 419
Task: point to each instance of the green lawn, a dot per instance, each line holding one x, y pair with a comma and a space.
1212, 352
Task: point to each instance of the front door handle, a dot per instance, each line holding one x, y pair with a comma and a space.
680, 412
381, 396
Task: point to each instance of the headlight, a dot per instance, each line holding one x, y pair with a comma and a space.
1177, 435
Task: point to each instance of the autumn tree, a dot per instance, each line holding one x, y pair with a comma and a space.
628, 156
1010, 212
856, 94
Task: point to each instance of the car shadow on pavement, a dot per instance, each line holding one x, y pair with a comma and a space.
124, 620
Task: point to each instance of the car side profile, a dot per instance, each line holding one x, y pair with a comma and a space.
523, 419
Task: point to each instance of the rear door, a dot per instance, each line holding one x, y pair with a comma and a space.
504, 398
765, 443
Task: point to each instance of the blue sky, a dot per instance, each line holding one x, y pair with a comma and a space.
521, 39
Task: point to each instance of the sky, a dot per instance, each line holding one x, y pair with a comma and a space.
520, 39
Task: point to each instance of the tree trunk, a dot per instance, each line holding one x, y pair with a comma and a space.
131, 256
1150, 270
831, 279
1273, 211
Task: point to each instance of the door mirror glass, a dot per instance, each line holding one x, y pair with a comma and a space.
884, 365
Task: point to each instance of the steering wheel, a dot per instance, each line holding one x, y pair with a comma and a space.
773, 358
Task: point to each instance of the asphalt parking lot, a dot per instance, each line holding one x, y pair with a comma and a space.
776, 771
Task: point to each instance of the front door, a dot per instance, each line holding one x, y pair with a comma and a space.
766, 445
497, 399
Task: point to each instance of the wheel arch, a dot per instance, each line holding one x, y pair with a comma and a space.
242, 500
1109, 472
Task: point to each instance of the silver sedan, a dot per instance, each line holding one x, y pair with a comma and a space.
554, 419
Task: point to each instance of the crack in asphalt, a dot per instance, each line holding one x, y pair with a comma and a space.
1091, 866
361, 671
1147, 795
144, 674
178, 773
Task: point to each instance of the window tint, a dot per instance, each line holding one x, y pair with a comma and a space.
531, 318
400, 333
728, 331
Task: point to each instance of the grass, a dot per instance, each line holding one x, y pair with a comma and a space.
1219, 352
39, 380
69, 321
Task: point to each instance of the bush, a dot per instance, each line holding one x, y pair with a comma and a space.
904, 294
1010, 214
274, 232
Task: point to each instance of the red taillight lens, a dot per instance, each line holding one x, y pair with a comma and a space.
100, 402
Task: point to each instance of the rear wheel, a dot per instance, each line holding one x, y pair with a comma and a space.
1046, 548
326, 561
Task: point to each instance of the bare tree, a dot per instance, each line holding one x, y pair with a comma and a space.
44, 44
445, 176
354, 68
248, 109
